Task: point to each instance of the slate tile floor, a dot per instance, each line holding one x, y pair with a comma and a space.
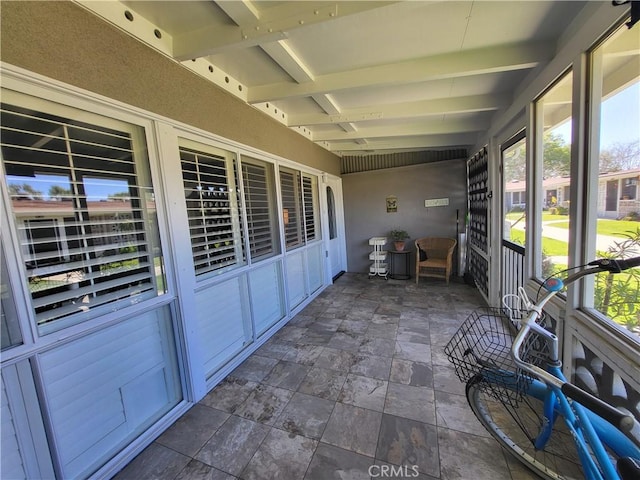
356, 382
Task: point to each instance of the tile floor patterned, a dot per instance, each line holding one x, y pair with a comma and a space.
355, 386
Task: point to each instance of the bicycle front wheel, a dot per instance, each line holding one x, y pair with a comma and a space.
516, 429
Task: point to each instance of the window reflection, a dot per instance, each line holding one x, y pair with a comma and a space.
615, 227
553, 115
514, 172
84, 213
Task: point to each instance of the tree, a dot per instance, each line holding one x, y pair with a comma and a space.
514, 164
24, 190
556, 158
123, 196
620, 156
617, 295
59, 193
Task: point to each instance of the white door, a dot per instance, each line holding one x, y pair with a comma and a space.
335, 232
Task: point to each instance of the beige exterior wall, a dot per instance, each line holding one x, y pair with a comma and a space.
366, 215
63, 41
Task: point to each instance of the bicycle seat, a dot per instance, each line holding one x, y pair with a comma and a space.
628, 468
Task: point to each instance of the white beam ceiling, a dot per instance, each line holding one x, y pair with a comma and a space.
447, 66
424, 108
254, 28
434, 108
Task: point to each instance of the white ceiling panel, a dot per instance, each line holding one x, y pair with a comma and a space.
361, 77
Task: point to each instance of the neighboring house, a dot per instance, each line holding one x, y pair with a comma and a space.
515, 195
617, 193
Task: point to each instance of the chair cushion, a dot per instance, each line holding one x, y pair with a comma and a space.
434, 263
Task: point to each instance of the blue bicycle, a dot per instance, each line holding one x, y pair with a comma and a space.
509, 360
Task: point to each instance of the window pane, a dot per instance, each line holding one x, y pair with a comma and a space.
615, 228
258, 183
212, 208
291, 207
553, 115
299, 207
310, 195
11, 335
85, 214
514, 172
331, 213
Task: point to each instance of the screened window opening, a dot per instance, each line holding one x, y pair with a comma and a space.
299, 207
553, 121
258, 185
514, 173
614, 227
212, 208
84, 210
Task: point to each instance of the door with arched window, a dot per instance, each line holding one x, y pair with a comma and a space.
336, 250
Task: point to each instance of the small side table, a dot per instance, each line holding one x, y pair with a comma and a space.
395, 256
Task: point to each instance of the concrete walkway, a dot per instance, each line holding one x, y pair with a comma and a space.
603, 242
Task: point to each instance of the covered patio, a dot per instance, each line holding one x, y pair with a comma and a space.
356, 383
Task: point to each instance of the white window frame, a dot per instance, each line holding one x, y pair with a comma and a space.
248, 199
229, 158
23, 88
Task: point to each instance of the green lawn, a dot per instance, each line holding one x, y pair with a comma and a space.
622, 292
614, 228
551, 246
546, 216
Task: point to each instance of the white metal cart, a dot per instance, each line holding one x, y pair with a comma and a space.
379, 257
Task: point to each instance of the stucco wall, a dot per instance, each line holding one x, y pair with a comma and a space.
63, 41
365, 205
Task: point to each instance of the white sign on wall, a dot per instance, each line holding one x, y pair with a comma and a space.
436, 202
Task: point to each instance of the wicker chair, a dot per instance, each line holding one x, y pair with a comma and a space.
437, 257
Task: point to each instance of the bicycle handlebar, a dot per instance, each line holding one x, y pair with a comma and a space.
616, 266
623, 421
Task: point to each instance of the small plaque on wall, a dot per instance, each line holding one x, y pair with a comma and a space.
392, 204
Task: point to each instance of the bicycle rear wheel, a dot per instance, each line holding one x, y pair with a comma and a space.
516, 428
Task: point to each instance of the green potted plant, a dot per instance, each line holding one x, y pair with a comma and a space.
398, 237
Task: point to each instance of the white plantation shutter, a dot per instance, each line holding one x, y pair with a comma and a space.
258, 187
12, 458
315, 265
212, 208
106, 387
309, 189
224, 322
300, 207
267, 299
291, 208
296, 284
82, 202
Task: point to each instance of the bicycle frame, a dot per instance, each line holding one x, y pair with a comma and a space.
590, 431
587, 429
